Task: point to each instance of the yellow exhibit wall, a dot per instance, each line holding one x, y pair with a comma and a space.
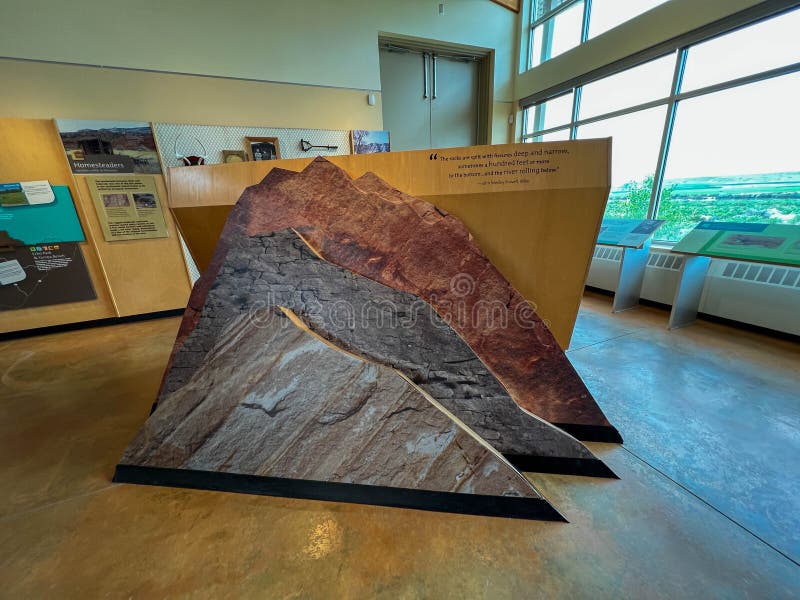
537, 227
46, 91
129, 277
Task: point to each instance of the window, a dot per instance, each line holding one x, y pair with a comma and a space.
635, 86
684, 151
556, 34
768, 45
718, 170
551, 114
607, 14
560, 25
636, 141
561, 135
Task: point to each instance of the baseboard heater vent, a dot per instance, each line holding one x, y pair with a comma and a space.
608, 253
665, 260
781, 276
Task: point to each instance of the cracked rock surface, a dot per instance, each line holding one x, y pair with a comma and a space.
370, 228
383, 325
271, 399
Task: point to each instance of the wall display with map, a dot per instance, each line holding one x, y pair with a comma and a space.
36, 213
42, 275
778, 244
128, 207
629, 233
109, 146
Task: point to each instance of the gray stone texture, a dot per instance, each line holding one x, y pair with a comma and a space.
387, 326
271, 399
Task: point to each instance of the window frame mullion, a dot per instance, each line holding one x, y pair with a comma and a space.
666, 135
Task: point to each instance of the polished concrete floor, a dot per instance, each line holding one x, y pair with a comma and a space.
707, 505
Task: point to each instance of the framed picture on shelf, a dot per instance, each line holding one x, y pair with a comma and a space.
233, 156
262, 148
369, 142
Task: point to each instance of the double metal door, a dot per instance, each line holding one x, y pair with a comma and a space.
429, 100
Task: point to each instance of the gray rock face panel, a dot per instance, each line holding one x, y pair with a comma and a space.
387, 326
272, 402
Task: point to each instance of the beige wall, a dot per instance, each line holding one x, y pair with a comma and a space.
664, 22
323, 44
41, 90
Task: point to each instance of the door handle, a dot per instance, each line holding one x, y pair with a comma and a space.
433, 69
425, 75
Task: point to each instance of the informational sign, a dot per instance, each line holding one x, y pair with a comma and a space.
35, 213
109, 146
43, 275
26, 193
128, 207
779, 244
630, 233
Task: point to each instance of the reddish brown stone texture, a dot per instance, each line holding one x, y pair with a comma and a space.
403, 242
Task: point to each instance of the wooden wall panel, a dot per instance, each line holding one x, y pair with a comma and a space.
541, 238
31, 150
143, 275
129, 277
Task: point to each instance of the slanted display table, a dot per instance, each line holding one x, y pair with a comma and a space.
755, 242
633, 236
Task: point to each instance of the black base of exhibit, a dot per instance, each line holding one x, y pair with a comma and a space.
489, 506
559, 465
25, 333
592, 433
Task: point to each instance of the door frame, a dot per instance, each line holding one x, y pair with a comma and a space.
484, 58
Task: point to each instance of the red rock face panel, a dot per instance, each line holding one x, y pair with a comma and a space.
403, 242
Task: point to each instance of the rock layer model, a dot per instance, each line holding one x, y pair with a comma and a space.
382, 325
272, 409
408, 244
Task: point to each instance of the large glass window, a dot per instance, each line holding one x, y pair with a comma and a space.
558, 25
729, 153
562, 135
557, 34
607, 14
647, 82
551, 114
735, 157
634, 148
761, 47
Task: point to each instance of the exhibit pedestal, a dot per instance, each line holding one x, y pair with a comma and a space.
631, 277
689, 291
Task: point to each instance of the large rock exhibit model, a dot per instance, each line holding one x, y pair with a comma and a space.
350, 342
274, 410
386, 326
368, 227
